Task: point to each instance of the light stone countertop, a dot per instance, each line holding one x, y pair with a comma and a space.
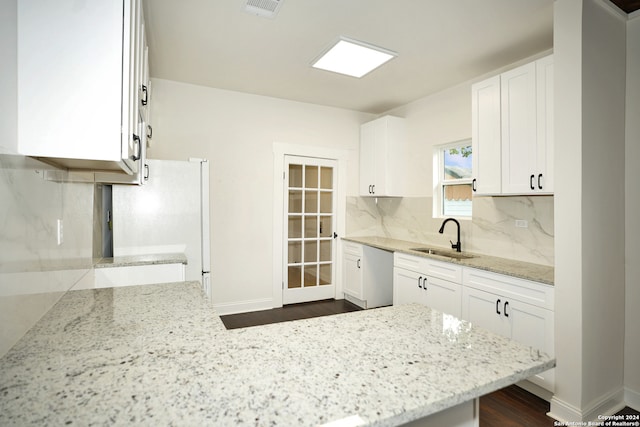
147, 259
523, 270
38, 265
159, 355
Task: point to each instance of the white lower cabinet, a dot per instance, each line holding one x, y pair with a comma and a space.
515, 308
109, 277
421, 280
367, 275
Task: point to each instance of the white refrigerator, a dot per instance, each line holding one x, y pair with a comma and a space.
169, 214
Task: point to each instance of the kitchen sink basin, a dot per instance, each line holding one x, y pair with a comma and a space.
443, 253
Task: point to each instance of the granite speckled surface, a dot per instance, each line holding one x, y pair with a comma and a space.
147, 259
523, 270
159, 354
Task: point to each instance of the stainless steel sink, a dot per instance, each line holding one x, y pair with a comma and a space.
443, 253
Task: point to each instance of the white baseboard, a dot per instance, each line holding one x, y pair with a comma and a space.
632, 398
243, 306
608, 404
356, 301
563, 411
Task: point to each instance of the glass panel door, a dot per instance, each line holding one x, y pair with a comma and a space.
309, 229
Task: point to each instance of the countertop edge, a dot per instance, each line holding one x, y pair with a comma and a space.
140, 260
514, 268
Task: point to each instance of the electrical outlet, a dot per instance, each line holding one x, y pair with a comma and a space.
522, 223
60, 231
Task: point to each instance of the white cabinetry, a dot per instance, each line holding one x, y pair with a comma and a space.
383, 149
367, 275
78, 88
432, 283
109, 277
140, 103
512, 307
512, 131
485, 136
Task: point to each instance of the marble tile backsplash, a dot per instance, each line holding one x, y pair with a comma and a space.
35, 271
492, 230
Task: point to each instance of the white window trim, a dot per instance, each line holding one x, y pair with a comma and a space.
438, 183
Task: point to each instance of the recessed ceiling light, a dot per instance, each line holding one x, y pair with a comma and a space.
353, 58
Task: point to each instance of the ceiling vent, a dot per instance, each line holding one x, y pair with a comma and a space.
264, 8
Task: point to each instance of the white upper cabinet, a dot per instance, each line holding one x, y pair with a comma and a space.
545, 125
485, 118
78, 83
383, 148
512, 121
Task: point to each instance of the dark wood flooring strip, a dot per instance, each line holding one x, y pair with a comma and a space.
514, 407
289, 312
509, 407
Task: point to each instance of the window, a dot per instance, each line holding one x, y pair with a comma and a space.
452, 172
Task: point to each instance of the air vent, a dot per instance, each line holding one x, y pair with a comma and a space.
265, 8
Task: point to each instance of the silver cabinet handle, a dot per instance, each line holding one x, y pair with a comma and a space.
136, 141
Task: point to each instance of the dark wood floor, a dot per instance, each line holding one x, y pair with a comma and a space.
288, 312
509, 407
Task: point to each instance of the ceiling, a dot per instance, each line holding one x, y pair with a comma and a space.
215, 43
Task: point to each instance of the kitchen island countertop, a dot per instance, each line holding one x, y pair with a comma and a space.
159, 354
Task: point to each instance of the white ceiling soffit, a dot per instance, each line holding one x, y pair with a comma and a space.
440, 44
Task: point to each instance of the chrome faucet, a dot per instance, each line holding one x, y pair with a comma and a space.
457, 246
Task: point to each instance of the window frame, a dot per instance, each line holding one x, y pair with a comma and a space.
439, 183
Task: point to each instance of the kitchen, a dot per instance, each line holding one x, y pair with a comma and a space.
586, 246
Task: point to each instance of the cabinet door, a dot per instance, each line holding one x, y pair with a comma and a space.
485, 309
140, 176
485, 135
132, 59
367, 158
74, 89
518, 95
407, 287
443, 295
531, 325
545, 125
353, 283
383, 157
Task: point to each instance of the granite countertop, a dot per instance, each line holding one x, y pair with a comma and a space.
159, 354
524, 270
147, 259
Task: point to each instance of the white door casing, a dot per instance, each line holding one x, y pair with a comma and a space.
309, 200
280, 250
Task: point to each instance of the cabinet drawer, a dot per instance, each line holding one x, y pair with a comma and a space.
352, 248
408, 262
429, 267
534, 293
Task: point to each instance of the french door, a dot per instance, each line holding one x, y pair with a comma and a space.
309, 245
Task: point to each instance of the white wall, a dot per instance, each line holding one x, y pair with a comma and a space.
437, 119
8, 76
632, 213
590, 50
236, 132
